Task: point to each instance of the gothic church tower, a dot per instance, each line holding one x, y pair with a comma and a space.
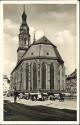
24, 36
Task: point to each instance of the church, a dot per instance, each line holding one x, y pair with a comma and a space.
39, 65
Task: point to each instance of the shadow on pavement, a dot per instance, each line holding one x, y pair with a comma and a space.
21, 112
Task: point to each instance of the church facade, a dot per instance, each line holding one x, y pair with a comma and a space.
39, 65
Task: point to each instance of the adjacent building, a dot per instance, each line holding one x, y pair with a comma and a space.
6, 84
39, 65
71, 82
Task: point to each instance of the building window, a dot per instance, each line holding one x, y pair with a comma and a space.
31, 53
47, 53
34, 76
51, 76
43, 76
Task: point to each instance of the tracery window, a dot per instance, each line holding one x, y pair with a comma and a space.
20, 78
34, 76
43, 76
27, 75
51, 76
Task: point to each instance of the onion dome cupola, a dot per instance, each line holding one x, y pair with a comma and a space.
24, 16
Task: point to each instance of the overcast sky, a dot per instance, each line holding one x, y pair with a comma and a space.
58, 22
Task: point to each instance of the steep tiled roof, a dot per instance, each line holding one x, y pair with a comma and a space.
43, 48
43, 40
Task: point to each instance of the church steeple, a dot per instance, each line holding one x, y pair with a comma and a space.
24, 36
24, 16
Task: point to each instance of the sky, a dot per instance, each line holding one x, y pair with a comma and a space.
56, 21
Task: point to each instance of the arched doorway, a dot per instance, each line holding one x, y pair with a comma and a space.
43, 76
51, 76
27, 76
34, 76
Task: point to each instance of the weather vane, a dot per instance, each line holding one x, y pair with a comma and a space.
24, 7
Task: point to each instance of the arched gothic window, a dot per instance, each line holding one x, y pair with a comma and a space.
51, 76
27, 76
43, 76
34, 76
20, 78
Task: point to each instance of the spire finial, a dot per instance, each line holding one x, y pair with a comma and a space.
34, 39
24, 16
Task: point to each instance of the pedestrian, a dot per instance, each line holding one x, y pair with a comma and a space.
20, 95
51, 99
15, 95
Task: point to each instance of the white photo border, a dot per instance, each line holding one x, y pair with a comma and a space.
1, 61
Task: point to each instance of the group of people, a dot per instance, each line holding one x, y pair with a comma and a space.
33, 97
37, 96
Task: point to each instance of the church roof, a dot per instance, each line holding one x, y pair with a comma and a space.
43, 40
43, 48
72, 75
